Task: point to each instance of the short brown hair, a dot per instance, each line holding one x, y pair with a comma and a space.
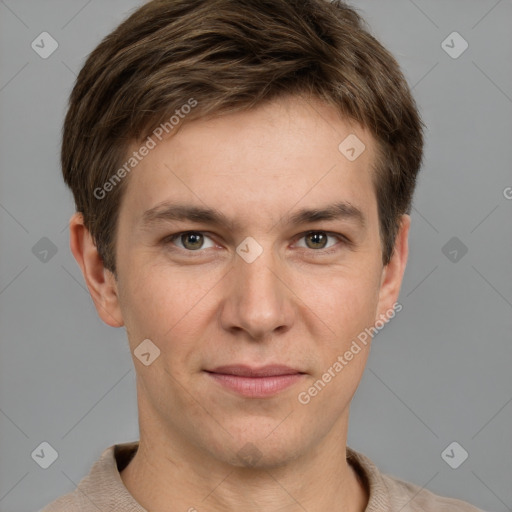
232, 55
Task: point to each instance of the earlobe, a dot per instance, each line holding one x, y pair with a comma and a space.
100, 281
393, 272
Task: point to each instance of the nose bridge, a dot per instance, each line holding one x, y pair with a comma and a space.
259, 300
258, 279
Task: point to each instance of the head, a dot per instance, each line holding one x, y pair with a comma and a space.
237, 111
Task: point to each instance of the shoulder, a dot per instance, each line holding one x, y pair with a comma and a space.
94, 491
66, 503
409, 497
391, 494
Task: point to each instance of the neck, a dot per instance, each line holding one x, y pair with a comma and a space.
166, 474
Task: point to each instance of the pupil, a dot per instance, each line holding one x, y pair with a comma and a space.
195, 240
318, 238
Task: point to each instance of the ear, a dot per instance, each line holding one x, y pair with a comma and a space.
393, 272
101, 282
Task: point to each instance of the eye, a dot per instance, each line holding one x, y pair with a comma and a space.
194, 241
190, 240
318, 240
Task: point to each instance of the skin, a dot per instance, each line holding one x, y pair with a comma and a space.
202, 308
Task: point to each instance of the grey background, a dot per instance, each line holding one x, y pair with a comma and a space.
440, 372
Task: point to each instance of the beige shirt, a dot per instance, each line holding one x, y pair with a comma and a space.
103, 490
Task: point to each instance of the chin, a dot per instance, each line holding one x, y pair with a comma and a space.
261, 456
260, 446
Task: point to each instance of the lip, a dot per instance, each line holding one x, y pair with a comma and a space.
255, 382
242, 370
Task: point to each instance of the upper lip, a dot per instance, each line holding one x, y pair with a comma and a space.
248, 371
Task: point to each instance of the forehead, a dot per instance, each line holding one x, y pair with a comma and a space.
258, 164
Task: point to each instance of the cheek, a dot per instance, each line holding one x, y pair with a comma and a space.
345, 300
159, 302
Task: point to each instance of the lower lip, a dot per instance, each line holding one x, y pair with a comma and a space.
256, 387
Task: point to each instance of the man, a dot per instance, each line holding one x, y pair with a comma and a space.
243, 172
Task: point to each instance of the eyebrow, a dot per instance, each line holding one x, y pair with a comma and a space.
167, 211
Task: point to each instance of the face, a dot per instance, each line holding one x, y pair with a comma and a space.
250, 241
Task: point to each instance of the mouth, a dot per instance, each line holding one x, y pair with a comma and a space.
255, 382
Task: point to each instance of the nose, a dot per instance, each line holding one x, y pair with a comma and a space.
258, 301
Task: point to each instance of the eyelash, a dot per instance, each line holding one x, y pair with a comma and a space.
318, 252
